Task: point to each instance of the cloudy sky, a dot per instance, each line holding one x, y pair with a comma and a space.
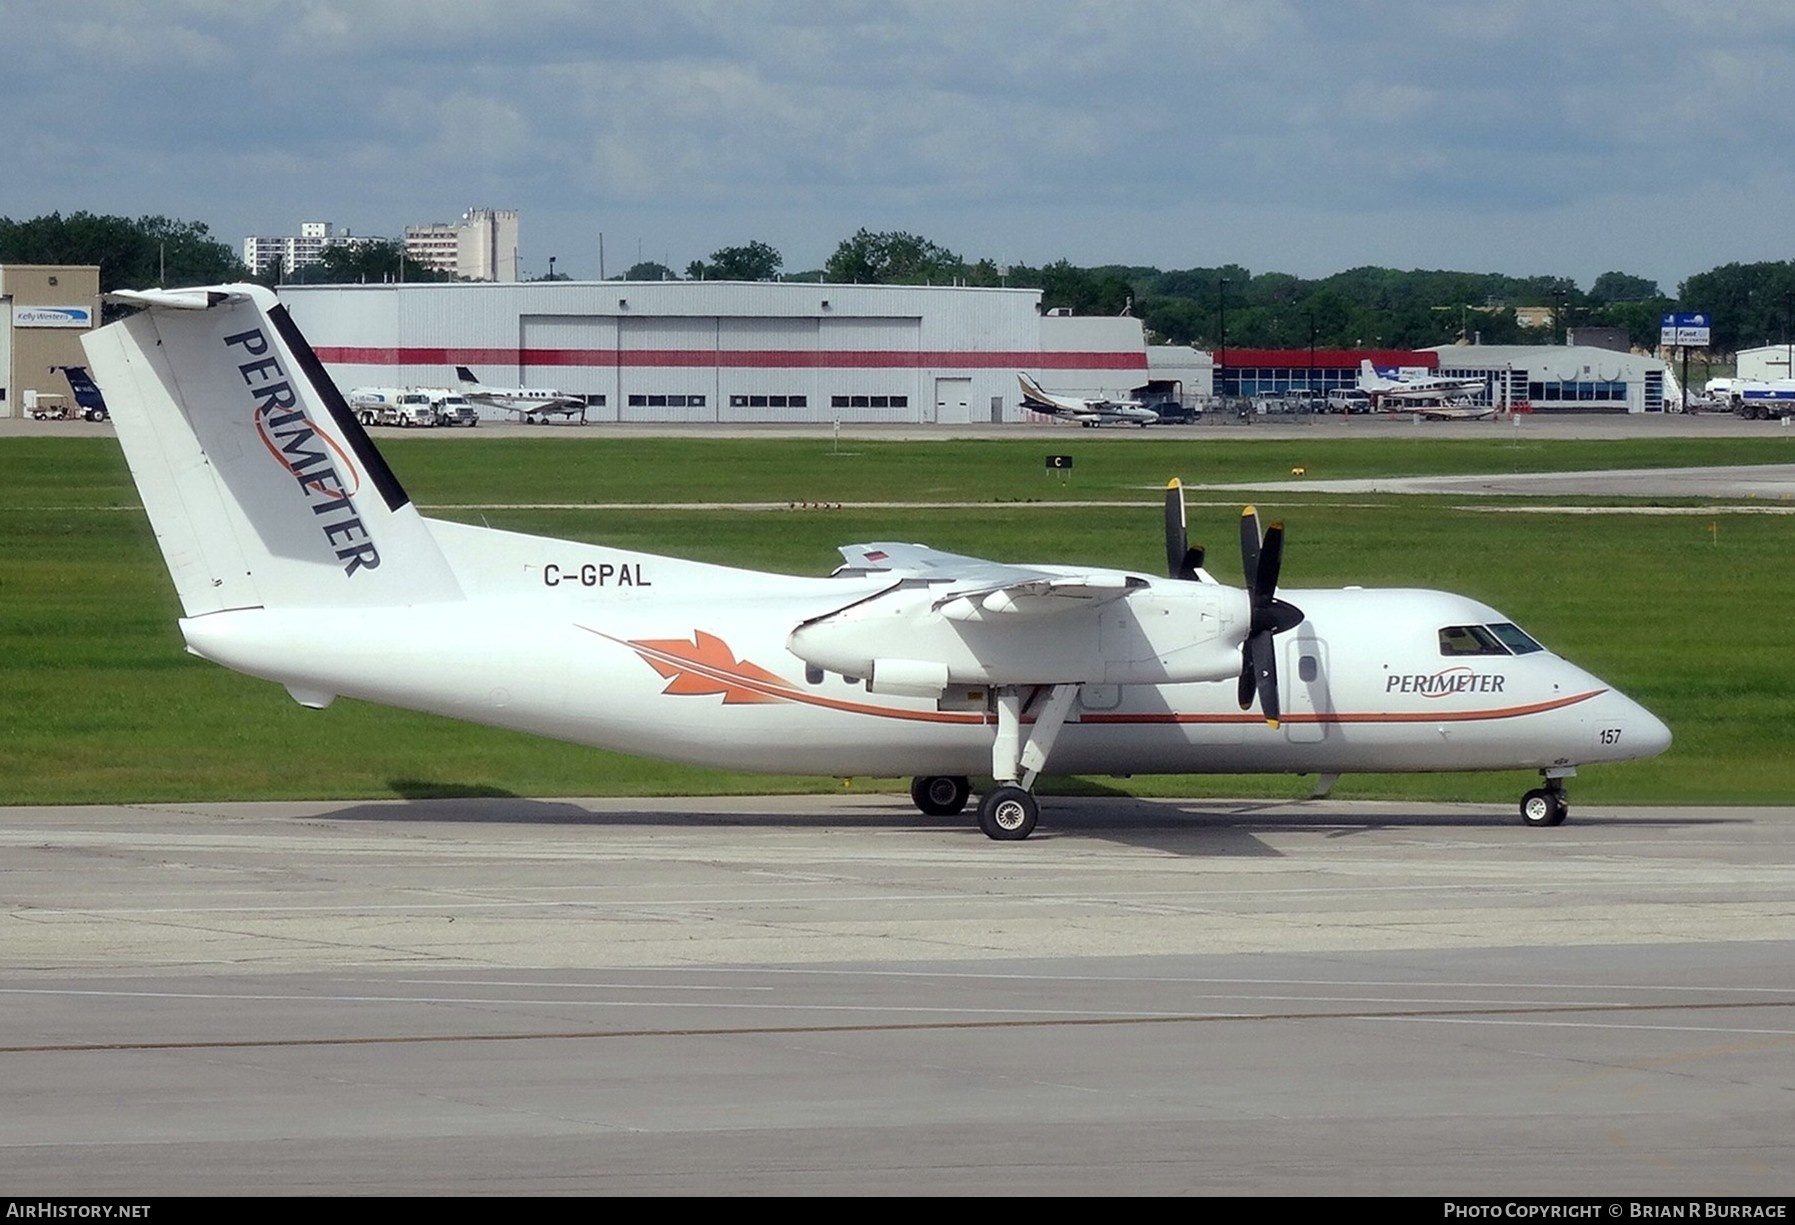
1570, 137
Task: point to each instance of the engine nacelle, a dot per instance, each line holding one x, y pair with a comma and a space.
1163, 634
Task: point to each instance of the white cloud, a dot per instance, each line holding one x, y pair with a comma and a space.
1519, 135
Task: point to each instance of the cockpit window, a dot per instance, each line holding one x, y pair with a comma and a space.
1470, 640
1515, 638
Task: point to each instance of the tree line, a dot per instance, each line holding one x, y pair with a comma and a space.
1204, 306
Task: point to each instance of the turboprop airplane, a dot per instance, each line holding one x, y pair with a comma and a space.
1415, 386
531, 404
1098, 411
298, 558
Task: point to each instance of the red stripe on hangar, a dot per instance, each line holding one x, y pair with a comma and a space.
1330, 359
737, 359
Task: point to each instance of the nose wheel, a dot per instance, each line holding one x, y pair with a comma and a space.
1545, 806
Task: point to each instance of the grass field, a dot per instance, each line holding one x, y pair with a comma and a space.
1687, 614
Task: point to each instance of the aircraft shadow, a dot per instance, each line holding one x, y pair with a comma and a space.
1173, 826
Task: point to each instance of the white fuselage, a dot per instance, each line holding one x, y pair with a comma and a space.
525, 400
635, 652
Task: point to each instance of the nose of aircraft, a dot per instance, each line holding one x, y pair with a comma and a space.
1625, 730
1653, 729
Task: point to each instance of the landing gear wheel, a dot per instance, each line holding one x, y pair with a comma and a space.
1008, 814
940, 795
1542, 808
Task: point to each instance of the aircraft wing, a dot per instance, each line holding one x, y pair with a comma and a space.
971, 586
920, 561
947, 619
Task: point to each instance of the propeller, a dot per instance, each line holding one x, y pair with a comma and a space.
1261, 556
1182, 560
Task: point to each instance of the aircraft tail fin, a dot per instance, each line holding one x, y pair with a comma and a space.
87, 395
262, 488
1032, 395
466, 376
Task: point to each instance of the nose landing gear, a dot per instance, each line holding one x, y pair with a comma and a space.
1545, 806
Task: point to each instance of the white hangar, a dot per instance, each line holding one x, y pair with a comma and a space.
726, 351
1766, 362
1560, 378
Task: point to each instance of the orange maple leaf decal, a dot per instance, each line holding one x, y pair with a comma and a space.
706, 665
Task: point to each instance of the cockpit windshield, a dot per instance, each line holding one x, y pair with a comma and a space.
1502, 638
1515, 638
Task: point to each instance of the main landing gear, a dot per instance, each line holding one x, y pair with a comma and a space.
1546, 806
940, 795
1006, 813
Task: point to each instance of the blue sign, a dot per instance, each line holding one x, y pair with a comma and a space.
1688, 328
52, 317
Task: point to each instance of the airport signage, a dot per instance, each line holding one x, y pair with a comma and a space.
52, 317
1687, 328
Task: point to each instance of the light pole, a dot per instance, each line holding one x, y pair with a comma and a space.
1221, 367
1309, 381
1788, 337
551, 267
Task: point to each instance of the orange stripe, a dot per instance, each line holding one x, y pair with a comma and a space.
784, 691
1419, 716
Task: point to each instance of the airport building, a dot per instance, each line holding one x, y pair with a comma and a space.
45, 310
1766, 362
1560, 378
1278, 372
738, 351
1547, 378
727, 351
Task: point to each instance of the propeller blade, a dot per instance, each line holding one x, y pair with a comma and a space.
1193, 562
1265, 668
1261, 559
1271, 560
1176, 542
1249, 551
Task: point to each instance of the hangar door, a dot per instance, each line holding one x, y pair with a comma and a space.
667, 368
571, 353
766, 368
869, 369
953, 401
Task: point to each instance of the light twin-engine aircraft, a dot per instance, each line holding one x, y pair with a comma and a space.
531, 404
298, 558
1098, 411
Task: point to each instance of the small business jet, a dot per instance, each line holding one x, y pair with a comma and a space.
531, 404
1092, 412
299, 559
1415, 386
